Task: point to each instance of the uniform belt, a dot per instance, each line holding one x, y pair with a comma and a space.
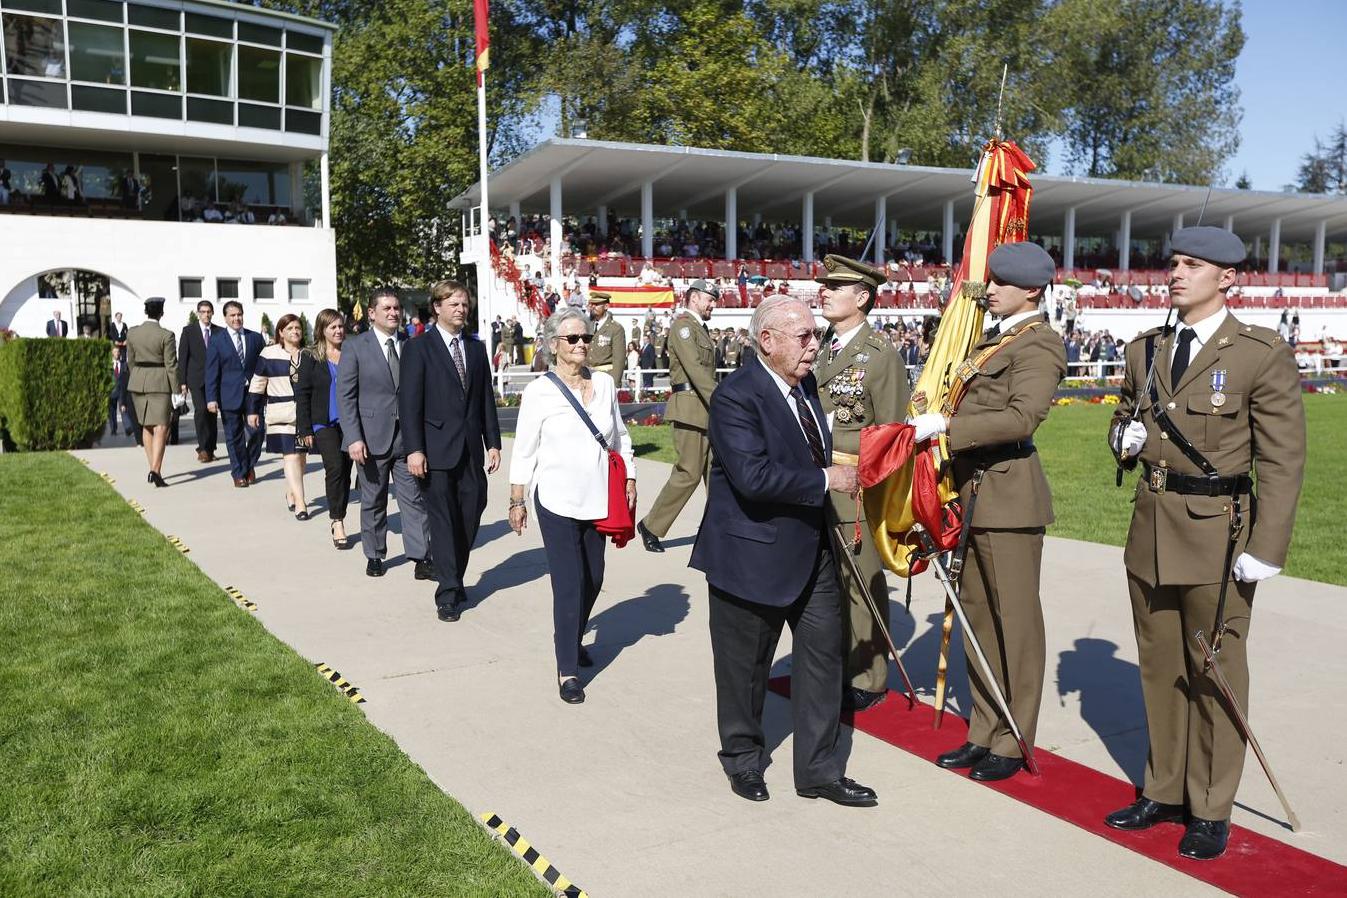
1163, 480
148, 365
679, 388
846, 458
608, 367
1004, 452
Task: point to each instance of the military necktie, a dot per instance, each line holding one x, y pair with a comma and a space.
456, 351
834, 348
1181, 351
993, 332
811, 432
394, 364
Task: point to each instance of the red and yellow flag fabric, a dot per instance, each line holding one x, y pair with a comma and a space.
903, 481
479, 17
640, 297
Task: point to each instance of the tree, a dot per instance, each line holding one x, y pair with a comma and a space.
1324, 170
1243, 182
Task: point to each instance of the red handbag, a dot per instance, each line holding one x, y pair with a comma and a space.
619, 523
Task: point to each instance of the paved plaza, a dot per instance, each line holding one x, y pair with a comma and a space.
624, 793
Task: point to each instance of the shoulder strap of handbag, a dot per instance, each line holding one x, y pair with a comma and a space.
1165, 423
579, 409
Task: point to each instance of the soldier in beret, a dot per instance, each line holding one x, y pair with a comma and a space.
608, 353
1017, 365
1224, 400
692, 379
861, 381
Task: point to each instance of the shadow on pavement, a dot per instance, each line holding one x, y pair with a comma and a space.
1110, 700
518, 569
657, 612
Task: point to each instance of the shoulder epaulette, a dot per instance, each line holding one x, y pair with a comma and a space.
1265, 335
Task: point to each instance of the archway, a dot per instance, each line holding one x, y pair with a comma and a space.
85, 298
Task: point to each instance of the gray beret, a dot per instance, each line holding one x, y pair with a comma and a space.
1215, 245
710, 289
1025, 264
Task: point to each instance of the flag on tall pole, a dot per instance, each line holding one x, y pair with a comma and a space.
486, 275
479, 17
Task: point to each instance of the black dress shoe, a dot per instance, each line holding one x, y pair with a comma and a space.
1205, 839
1144, 813
648, 539
843, 791
856, 699
572, 693
425, 570
995, 767
448, 613
749, 784
585, 660
965, 755
240, 482
375, 568
157, 479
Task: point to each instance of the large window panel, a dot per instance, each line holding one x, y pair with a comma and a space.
97, 54
34, 46
259, 75
199, 24
152, 17
155, 61
51, 6
98, 99
23, 92
103, 10
159, 186
254, 183
303, 81
209, 66
196, 178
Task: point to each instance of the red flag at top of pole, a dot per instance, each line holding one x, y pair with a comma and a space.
479, 16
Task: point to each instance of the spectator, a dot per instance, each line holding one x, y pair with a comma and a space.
231, 361
51, 184
6, 191
117, 334
569, 482
86, 332
648, 362
272, 394
152, 383
56, 327
196, 336
119, 402
633, 361
318, 416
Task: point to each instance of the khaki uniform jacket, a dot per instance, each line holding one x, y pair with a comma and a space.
866, 384
691, 361
152, 344
609, 348
1004, 405
1260, 427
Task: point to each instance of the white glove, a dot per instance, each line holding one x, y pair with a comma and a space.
1250, 570
1133, 438
928, 425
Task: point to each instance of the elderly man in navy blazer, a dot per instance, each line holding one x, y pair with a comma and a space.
231, 361
768, 561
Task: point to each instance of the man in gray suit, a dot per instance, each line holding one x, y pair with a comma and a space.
367, 394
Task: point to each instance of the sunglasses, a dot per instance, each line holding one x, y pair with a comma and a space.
576, 338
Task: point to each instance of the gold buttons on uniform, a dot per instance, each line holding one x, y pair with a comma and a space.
1173, 405
1163, 435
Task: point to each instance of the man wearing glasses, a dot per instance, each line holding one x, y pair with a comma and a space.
692, 379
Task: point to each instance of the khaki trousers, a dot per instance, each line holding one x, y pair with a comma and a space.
692, 466
1196, 748
867, 652
999, 592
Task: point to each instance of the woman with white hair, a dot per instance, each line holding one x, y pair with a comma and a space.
564, 464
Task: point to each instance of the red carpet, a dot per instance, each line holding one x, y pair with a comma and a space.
1253, 865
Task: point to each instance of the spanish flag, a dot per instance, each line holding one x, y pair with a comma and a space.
479, 17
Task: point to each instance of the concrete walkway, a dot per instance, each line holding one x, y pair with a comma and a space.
624, 793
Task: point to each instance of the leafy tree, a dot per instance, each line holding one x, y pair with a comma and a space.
1243, 182
1324, 170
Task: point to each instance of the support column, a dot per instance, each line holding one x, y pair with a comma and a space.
757, 219
1069, 239
1274, 247
1169, 238
554, 230
1125, 242
807, 229
731, 224
947, 233
603, 220
1230, 223
881, 214
514, 213
648, 219
682, 216
1320, 238
325, 189
1257, 248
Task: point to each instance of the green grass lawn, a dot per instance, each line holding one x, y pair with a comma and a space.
156, 740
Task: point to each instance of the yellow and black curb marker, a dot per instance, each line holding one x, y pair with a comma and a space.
106, 476
541, 865
178, 544
237, 598
136, 506
343, 685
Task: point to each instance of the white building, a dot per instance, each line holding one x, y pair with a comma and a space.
145, 146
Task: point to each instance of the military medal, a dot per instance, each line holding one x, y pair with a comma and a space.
1217, 386
862, 357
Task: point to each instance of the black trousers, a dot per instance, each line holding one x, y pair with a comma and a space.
455, 500
575, 561
207, 427
743, 641
243, 442
336, 470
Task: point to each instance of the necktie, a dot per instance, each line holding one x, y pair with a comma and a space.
993, 332
394, 364
807, 422
238, 346
834, 348
457, 352
205, 336
1180, 362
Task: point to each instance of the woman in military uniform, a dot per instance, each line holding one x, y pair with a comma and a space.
153, 357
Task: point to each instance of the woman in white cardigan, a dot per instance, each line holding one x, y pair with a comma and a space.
557, 459
272, 393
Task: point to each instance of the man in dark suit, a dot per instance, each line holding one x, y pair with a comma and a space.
56, 327
192, 346
120, 405
117, 334
231, 360
768, 561
449, 431
649, 362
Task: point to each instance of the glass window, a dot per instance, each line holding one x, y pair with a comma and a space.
97, 54
34, 46
259, 34
152, 17
37, 93
303, 81
253, 183
98, 99
303, 122
259, 116
196, 180
307, 42
227, 288
220, 112
189, 288
209, 64
159, 186
154, 60
103, 10
199, 24
264, 289
299, 291
51, 6
259, 75
156, 105
96, 174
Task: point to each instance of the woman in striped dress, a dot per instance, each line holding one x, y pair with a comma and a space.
273, 391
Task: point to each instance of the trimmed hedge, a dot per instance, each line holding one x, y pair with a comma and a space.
54, 393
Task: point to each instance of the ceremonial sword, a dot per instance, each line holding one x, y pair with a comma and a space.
847, 547
928, 549
1145, 391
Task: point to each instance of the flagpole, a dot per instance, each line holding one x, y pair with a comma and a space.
486, 277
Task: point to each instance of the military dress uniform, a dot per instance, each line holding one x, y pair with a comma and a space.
1238, 404
608, 352
691, 382
860, 384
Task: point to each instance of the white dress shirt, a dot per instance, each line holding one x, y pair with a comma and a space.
449, 339
1007, 323
1203, 331
556, 456
785, 389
